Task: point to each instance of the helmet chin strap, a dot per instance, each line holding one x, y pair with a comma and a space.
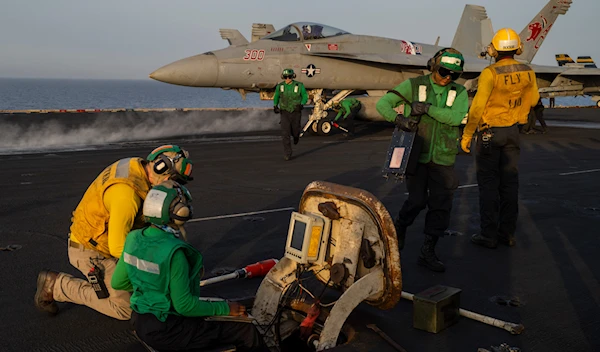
176, 230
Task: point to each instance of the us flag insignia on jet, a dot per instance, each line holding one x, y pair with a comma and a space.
311, 70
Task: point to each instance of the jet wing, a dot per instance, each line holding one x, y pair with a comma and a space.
416, 61
582, 72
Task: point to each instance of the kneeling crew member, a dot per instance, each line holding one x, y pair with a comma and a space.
108, 211
163, 272
438, 106
506, 91
290, 97
349, 107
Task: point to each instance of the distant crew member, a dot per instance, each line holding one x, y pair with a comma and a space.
348, 108
507, 90
110, 208
290, 97
438, 106
535, 114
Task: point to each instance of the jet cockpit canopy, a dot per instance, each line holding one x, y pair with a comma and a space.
301, 31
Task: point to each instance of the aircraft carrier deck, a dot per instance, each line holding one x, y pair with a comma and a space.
553, 272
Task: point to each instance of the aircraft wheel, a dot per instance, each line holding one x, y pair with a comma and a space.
324, 127
598, 103
314, 128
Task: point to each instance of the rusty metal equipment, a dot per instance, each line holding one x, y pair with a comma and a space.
355, 220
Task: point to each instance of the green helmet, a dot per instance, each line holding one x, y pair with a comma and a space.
168, 203
452, 60
288, 72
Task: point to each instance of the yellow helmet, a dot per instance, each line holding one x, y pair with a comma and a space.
504, 40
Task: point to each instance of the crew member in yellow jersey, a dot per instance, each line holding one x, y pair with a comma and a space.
109, 210
506, 91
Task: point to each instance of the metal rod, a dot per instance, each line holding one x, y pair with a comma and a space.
513, 328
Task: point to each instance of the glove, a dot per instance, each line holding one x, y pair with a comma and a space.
276, 109
406, 124
465, 144
417, 108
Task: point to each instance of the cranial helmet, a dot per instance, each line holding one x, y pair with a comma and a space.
289, 73
449, 58
173, 161
168, 203
505, 40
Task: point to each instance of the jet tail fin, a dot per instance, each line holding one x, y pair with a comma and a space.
586, 61
533, 35
563, 59
233, 36
474, 31
260, 30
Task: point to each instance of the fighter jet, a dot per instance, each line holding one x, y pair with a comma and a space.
583, 62
333, 63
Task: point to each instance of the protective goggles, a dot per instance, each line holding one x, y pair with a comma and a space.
444, 72
288, 76
184, 174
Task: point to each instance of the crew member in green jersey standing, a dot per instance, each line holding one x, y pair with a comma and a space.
290, 97
436, 108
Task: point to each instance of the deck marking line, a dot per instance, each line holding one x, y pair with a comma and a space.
242, 214
578, 172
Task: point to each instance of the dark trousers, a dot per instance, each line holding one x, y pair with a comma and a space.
498, 179
431, 186
535, 114
290, 125
349, 121
195, 334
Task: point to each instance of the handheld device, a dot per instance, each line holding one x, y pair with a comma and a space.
95, 278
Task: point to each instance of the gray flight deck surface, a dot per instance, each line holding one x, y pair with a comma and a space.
554, 271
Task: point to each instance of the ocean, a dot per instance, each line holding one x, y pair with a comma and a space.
24, 94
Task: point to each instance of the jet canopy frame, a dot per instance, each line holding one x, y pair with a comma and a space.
301, 31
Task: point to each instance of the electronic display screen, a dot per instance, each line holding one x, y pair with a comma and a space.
298, 235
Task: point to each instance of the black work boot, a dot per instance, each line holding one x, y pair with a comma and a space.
44, 298
400, 233
428, 258
508, 240
484, 241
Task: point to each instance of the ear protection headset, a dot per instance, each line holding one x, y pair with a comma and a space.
491, 50
165, 164
181, 210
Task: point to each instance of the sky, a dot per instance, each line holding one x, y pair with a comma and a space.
128, 39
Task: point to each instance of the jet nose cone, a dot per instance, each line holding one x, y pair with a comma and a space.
195, 71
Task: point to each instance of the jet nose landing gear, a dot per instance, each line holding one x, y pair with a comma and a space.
345, 238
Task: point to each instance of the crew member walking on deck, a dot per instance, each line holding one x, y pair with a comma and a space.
506, 92
348, 108
290, 97
108, 211
437, 108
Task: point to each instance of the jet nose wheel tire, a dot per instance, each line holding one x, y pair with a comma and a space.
324, 127
314, 128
